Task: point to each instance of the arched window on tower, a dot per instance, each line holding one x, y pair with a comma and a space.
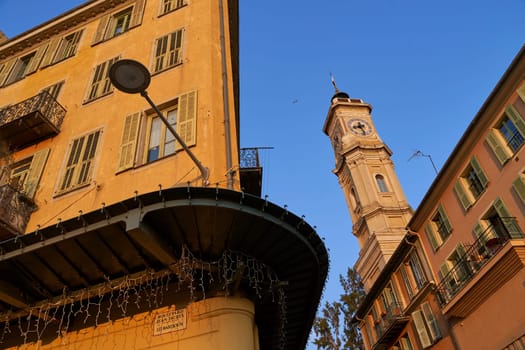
381, 183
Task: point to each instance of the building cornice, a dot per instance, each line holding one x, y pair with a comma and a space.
62, 23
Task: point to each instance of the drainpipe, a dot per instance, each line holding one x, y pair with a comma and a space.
227, 135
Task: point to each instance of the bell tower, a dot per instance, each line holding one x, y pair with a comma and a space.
376, 202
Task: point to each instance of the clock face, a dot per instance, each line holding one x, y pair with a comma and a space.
359, 127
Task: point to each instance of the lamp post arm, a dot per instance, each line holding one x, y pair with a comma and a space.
204, 171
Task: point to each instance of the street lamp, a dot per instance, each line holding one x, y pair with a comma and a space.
132, 77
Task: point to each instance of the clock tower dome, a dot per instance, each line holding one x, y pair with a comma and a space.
376, 202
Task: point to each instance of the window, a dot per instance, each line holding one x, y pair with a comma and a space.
417, 270
181, 113
426, 325
80, 162
506, 137
114, 24
519, 186
25, 174
381, 183
497, 224
390, 301
161, 140
407, 282
18, 68
100, 84
455, 270
54, 89
404, 343
471, 184
171, 5
61, 48
438, 228
168, 51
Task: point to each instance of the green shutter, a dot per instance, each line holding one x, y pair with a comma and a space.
519, 187
510, 224
187, 115
462, 195
419, 323
516, 118
431, 321
5, 70
138, 12
479, 230
479, 172
445, 218
521, 92
35, 172
101, 29
431, 237
128, 142
494, 143
37, 58
50, 52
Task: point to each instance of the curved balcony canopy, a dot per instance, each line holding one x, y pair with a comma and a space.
151, 232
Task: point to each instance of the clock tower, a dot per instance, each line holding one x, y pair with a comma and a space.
375, 199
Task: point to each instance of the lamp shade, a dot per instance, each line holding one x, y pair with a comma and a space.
129, 76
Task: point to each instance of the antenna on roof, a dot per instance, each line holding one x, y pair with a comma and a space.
418, 153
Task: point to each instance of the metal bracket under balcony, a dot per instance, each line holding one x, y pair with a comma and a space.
31, 120
15, 210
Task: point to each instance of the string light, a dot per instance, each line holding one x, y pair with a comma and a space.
146, 290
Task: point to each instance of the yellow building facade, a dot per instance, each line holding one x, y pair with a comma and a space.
111, 235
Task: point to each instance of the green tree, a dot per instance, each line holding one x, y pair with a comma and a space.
333, 328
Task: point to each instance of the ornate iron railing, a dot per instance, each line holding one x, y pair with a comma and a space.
392, 315
476, 256
15, 210
43, 103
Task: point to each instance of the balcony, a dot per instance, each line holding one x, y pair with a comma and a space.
15, 210
250, 171
488, 263
390, 326
31, 120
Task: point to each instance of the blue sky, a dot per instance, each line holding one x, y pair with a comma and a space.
425, 66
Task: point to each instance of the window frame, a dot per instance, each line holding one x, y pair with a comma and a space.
107, 23
166, 6
161, 54
381, 183
438, 228
79, 162
497, 140
54, 89
100, 84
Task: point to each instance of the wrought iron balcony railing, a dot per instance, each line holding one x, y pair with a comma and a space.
15, 210
390, 325
477, 255
31, 120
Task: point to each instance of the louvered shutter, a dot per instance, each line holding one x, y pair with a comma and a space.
186, 124
499, 151
138, 12
50, 52
422, 332
519, 187
431, 237
521, 92
444, 217
433, 326
516, 118
35, 172
128, 142
462, 195
479, 172
479, 232
101, 29
509, 223
5, 70
37, 58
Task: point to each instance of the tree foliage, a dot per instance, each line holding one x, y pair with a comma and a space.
333, 328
